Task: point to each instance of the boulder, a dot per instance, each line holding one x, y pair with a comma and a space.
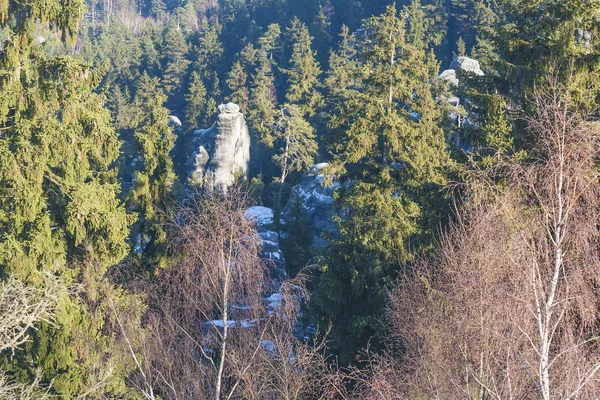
450, 76
222, 151
264, 219
314, 199
174, 121
461, 115
466, 64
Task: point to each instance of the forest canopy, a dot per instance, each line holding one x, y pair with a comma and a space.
299, 199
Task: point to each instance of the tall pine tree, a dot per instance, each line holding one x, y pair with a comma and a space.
59, 211
154, 185
391, 151
303, 71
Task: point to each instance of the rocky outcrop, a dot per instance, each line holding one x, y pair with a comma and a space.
466, 64
460, 114
312, 201
174, 121
222, 151
264, 219
461, 64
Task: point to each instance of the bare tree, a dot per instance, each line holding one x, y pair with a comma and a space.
214, 331
23, 306
509, 306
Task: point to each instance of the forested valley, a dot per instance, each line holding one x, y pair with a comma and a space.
299, 199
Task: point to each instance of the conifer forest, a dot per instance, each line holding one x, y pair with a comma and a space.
300, 199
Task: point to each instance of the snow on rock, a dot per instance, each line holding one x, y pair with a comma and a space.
264, 218
269, 346
312, 201
262, 215
245, 323
274, 301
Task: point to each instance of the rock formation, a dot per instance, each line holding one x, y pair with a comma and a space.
460, 114
174, 121
223, 150
463, 64
314, 201
263, 217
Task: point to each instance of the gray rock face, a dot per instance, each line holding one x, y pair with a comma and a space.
174, 121
263, 216
460, 113
584, 38
450, 76
314, 200
223, 150
464, 64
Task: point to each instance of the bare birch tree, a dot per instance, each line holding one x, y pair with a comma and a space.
509, 306
22, 307
213, 334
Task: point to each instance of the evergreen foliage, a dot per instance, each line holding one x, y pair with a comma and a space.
303, 72
59, 211
154, 184
85, 140
392, 151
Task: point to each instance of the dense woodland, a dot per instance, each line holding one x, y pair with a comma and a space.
457, 271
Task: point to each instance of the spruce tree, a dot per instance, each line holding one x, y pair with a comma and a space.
303, 71
175, 63
298, 146
237, 82
391, 151
59, 211
153, 189
263, 96
321, 27
195, 107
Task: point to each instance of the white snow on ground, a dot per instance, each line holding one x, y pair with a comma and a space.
274, 301
245, 323
243, 308
268, 345
274, 255
262, 215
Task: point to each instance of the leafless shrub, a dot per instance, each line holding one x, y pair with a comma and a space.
23, 306
212, 333
509, 306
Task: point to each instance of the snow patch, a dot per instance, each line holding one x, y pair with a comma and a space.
262, 215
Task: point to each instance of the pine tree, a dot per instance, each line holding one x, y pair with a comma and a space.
461, 49
323, 40
196, 101
298, 145
263, 96
237, 84
208, 56
150, 61
153, 189
303, 71
59, 211
391, 149
269, 42
175, 63
157, 9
